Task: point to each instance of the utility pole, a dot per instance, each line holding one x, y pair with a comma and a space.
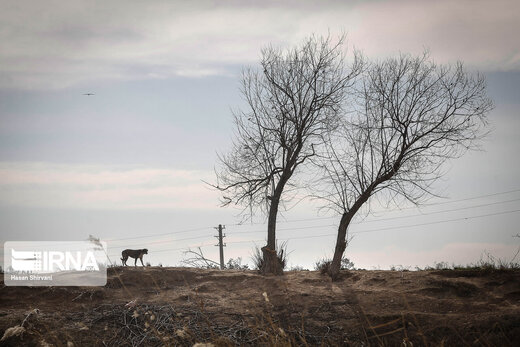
221, 244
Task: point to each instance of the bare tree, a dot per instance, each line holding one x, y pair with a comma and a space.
413, 115
292, 101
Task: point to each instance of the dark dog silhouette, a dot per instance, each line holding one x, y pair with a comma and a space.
133, 253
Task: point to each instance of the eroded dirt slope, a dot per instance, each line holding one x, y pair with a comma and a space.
179, 306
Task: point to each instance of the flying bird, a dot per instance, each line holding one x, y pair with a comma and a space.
88, 94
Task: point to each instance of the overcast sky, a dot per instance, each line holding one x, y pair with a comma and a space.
129, 160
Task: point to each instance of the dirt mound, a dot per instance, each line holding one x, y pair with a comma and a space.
443, 288
180, 306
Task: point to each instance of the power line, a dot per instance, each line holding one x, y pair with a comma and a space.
389, 228
386, 219
285, 229
168, 233
238, 232
323, 218
333, 225
163, 241
437, 222
359, 232
473, 198
392, 209
437, 212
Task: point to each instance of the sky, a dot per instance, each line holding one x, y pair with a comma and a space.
127, 164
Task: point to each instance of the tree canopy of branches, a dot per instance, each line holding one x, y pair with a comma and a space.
412, 116
292, 101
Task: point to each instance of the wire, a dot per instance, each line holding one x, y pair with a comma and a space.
357, 232
165, 241
332, 225
437, 222
168, 233
437, 212
388, 210
323, 218
328, 225
285, 229
390, 218
473, 198
389, 228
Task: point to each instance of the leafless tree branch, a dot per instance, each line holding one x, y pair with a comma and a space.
198, 259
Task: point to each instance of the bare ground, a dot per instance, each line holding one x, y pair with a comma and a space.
180, 306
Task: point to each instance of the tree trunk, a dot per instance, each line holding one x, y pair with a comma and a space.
341, 242
271, 264
341, 245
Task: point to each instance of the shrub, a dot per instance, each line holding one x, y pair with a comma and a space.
323, 265
236, 264
442, 265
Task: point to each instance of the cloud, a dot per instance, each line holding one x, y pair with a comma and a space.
481, 33
103, 187
56, 44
